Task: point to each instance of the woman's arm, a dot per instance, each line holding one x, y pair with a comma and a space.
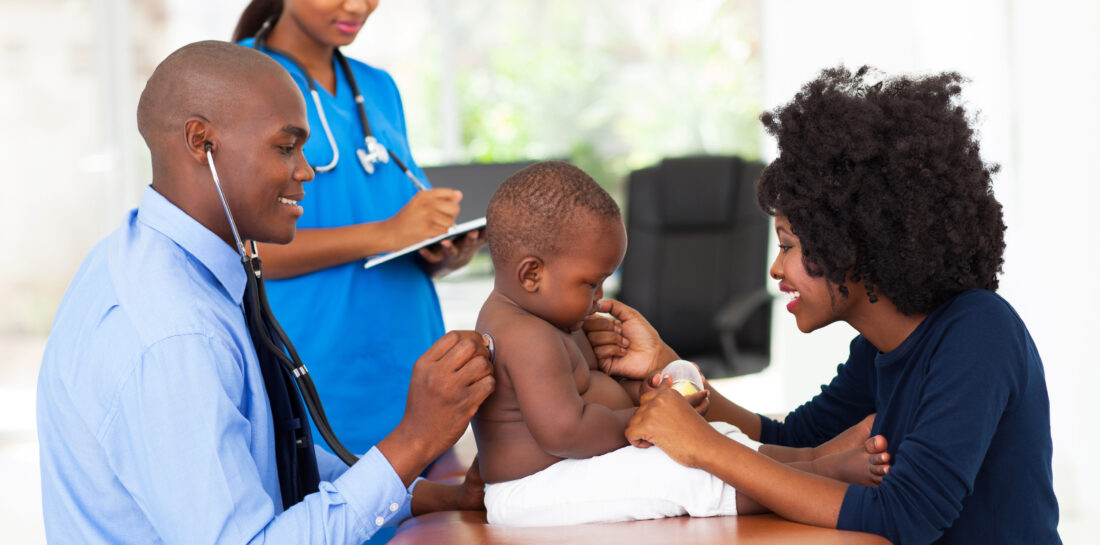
429, 213
666, 420
724, 410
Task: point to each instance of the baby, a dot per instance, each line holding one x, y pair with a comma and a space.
550, 439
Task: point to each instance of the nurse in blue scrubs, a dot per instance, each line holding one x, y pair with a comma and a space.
358, 330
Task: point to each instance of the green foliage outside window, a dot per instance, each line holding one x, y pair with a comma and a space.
609, 85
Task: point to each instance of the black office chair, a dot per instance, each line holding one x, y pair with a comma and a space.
696, 263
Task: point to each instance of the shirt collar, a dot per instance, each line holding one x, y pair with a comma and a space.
159, 214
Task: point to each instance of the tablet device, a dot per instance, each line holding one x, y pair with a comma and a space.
454, 231
476, 181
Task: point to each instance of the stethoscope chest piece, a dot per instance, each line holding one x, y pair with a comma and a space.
375, 153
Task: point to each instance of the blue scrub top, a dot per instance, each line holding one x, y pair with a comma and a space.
358, 331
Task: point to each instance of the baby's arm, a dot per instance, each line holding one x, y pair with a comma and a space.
543, 375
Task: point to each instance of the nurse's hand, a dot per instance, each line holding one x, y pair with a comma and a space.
627, 346
452, 254
428, 214
667, 419
448, 384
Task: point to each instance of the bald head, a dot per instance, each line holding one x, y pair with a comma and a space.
208, 80
247, 110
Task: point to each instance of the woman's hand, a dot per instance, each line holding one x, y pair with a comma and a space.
450, 255
428, 214
668, 420
626, 346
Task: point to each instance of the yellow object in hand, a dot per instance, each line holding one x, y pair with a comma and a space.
685, 387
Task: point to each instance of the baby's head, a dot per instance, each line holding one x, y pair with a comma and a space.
555, 235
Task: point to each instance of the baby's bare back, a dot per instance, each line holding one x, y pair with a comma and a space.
508, 448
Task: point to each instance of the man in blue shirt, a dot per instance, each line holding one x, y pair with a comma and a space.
153, 416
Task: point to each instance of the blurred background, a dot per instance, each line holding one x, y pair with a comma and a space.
611, 86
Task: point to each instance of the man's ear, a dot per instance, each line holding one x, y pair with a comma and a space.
529, 272
197, 132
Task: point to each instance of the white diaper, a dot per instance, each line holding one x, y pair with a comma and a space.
626, 484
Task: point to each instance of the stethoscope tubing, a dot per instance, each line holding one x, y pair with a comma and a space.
262, 316
261, 320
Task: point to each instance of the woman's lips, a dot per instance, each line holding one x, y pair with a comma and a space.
348, 27
793, 294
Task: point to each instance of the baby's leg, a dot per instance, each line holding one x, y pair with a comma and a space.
626, 484
851, 438
865, 465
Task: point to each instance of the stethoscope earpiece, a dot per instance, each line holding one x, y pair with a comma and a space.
208, 146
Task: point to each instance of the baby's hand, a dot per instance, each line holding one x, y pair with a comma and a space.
605, 335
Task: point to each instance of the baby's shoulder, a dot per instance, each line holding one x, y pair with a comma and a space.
519, 335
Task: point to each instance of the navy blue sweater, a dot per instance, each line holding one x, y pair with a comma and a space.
963, 405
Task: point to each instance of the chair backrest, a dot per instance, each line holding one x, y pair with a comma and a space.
697, 241
477, 181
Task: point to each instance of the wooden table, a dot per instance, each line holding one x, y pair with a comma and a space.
470, 528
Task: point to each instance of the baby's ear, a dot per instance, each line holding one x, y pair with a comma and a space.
529, 273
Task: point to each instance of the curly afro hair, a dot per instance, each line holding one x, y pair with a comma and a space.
532, 212
883, 184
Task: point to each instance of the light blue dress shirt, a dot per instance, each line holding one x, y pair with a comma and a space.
153, 420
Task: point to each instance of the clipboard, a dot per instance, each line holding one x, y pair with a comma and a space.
454, 231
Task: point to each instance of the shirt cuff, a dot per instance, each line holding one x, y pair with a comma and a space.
767, 430
375, 492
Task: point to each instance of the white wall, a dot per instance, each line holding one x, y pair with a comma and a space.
1035, 68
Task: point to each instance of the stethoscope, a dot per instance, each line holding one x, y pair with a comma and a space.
375, 152
261, 324
261, 321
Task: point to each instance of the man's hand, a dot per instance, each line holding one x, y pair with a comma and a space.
432, 496
626, 346
448, 384
450, 255
428, 214
472, 494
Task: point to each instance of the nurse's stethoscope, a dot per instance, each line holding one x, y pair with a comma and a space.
261, 321
375, 152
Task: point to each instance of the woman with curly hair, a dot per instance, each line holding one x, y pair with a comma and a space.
886, 220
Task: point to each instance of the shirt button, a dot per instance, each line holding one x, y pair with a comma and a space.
394, 507
379, 521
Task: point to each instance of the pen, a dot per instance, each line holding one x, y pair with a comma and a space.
416, 182
408, 173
